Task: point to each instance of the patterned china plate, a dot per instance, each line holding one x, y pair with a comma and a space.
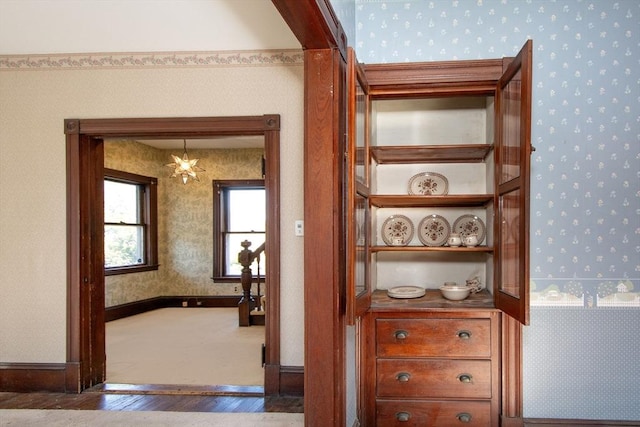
397, 230
434, 230
428, 184
406, 292
469, 224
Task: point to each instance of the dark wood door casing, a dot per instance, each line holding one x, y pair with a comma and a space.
324, 257
315, 25
86, 364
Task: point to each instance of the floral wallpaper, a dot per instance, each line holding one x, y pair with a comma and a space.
580, 348
185, 219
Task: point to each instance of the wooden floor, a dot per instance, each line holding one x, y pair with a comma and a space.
156, 398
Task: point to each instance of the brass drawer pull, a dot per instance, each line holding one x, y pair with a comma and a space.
403, 377
403, 416
465, 378
464, 417
401, 335
464, 335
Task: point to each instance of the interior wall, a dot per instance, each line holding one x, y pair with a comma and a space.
38, 92
185, 220
579, 350
160, 26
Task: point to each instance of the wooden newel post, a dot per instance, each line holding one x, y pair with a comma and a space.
246, 303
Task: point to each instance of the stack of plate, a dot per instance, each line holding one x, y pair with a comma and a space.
406, 292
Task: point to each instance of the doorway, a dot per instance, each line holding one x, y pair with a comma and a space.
85, 163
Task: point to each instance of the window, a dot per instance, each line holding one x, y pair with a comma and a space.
130, 223
239, 212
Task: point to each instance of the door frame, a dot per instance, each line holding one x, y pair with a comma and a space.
86, 355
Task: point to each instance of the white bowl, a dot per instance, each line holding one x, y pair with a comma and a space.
455, 293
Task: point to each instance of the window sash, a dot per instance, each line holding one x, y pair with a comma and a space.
139, 250
229, 234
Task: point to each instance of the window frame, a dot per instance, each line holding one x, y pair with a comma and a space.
148, 216
220, 223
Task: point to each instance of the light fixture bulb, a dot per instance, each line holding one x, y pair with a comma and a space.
184, 167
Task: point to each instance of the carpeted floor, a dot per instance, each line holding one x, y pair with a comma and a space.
195, 346
70, 418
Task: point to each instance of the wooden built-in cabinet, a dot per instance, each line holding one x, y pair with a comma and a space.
430, 361
434, 362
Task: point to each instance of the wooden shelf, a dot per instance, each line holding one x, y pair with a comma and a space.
462, 200
432, 300
461, 249
403, 154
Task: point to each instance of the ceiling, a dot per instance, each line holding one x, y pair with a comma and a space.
30, 27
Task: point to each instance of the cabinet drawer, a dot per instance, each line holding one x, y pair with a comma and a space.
433, 414
433, 378
433, 337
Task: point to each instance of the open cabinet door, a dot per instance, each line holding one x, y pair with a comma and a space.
513, 153
357, 192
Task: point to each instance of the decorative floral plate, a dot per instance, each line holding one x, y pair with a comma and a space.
434, 230
428, 184
470, 224
397, 230
406, 292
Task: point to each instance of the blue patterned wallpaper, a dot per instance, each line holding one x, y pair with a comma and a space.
581, 348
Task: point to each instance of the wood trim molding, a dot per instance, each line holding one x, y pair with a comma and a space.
59, 378
137, 307
85, 266
324, 269
291, 381
177, 126
446, 78
512, 401
511, 422
415, 74
33, 377
314, 23
272, 187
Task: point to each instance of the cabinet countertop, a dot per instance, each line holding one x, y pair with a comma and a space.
432, 300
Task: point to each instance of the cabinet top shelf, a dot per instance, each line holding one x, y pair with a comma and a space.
467, 153
407, 201
478, 249
432, 300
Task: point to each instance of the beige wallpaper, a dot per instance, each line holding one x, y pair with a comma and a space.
37, 94
185, 219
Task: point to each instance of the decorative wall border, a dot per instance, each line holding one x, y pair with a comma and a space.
151, 60
585, 293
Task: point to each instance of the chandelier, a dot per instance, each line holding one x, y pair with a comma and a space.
184, 167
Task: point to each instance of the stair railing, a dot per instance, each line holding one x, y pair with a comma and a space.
246, 257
